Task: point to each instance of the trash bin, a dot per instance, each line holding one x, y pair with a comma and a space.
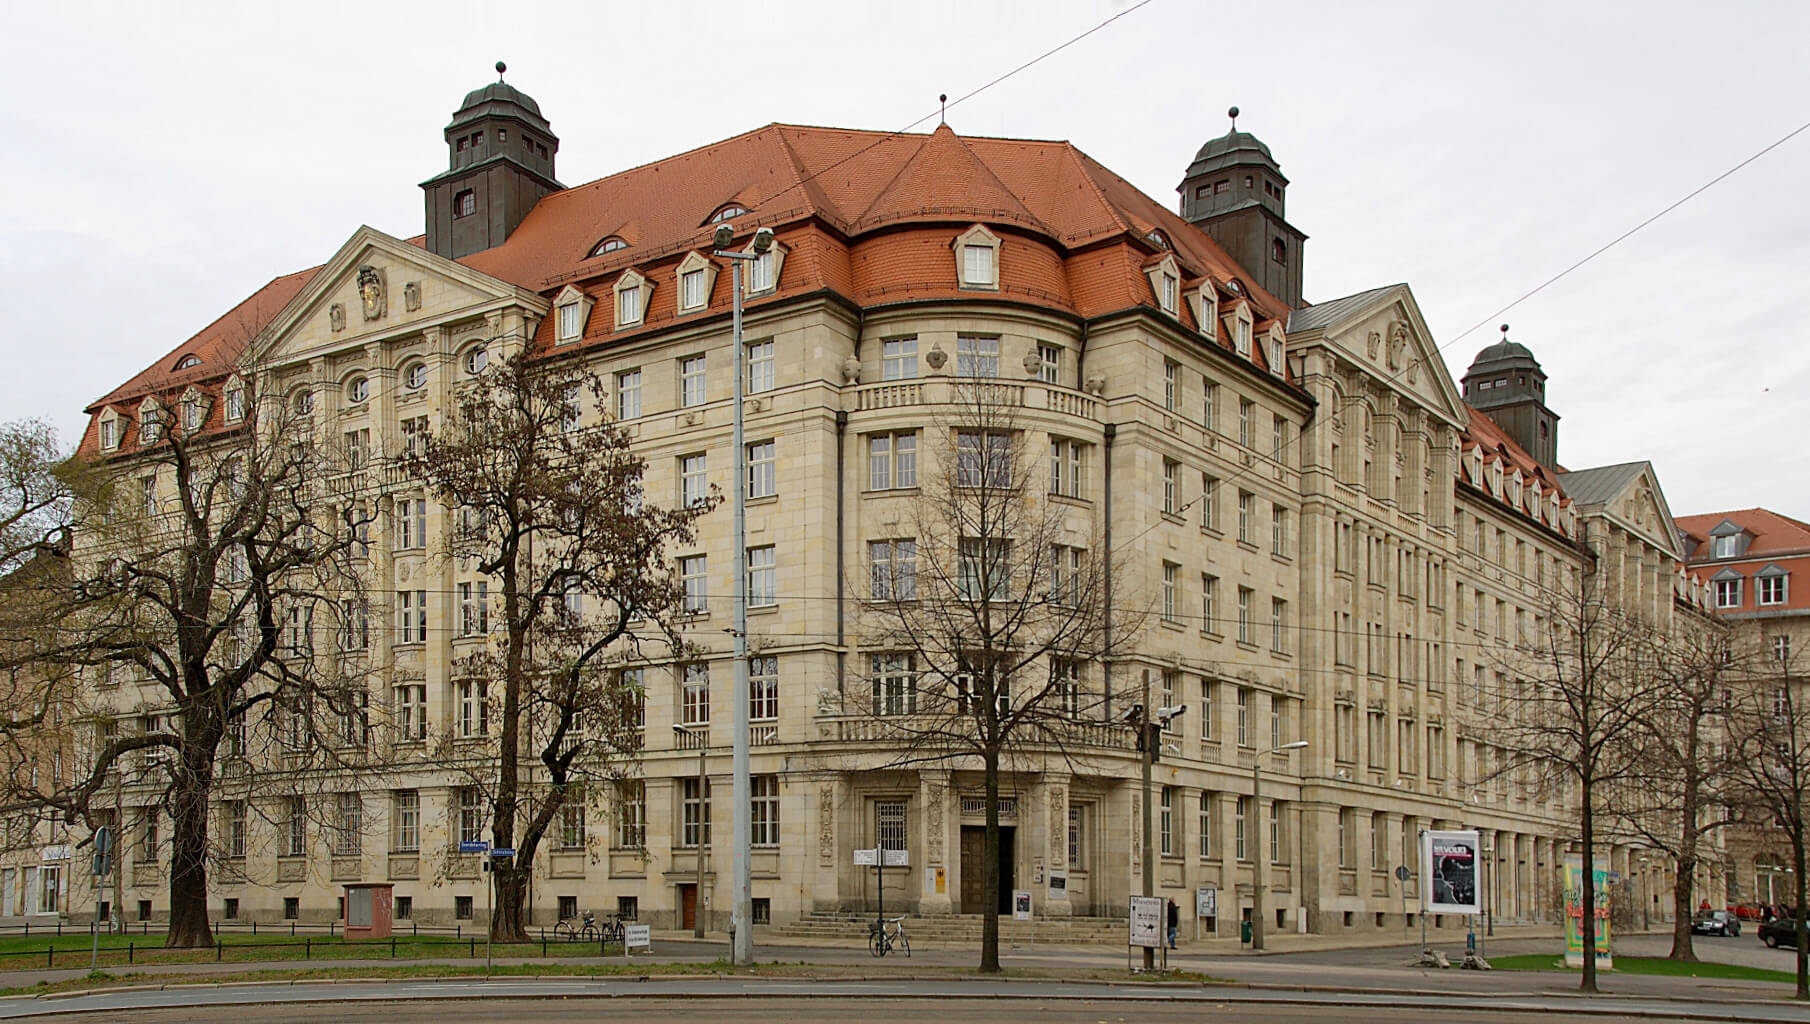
1244, 932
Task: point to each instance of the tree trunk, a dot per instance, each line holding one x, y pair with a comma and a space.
1803, 932
507, 922
1587, 895
189, 926
1681, 909
989, 916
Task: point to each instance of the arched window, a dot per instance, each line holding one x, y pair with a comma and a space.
358, 390
728, 211
187, 361
415, 377
608, 245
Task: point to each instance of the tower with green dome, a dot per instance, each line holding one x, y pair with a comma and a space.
1236, 192
500, 153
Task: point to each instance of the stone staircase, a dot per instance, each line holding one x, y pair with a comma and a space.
840, 929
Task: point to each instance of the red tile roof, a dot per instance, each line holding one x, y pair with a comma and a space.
1483, 433
1773, 534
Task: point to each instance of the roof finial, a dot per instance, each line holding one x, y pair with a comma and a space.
943, 116
1504, 332
500, 68
1233, 114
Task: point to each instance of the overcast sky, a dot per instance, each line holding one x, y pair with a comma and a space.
163, 161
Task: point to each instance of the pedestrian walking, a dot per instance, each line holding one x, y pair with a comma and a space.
1175, 922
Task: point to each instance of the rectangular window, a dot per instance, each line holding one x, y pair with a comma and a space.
1239, 813
1246, 510
571, 322
631, 814
1171, 575
412, 523
895, 684
763, 576
1279, 439
983, 459
976, 356
763, 688
462, 908
1172, 383
628, 305
1405, 746
1049, 364
470, 821
1065, 575
411, 616
1278, 530
411, 712
1243, 700
1378, 740
1246, 409
1244, 614
1206, 708
899, 359
1770, 589
474, 608
348, 824
1077, 837
1166, 828
235, 828
358, 448
889, 824
694, 481
1067, 674
1172, 472
977, 264
694, 694
691, 381
295, 828
892, 461
1204, 831
1276, 832
763, 810
1209, 502
760, 273
1278, 625
1435, 752
405, 818
694, 573
760, 367
984, 569
695, 817
1067, 465
1209, 405
571, 833
691, 289
414, 436
762, 476
628, 394
474, 708
893, 569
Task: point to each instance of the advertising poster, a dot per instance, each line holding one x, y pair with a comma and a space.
1146, 927
1450, 881
1021, 904
1571, 880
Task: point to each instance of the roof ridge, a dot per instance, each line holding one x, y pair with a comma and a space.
918, 166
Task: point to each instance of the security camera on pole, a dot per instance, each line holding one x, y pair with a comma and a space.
741, 925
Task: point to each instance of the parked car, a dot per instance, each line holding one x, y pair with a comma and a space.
1717, 922
1780, 931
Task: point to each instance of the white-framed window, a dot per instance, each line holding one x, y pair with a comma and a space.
411, 523
1246, 413
1781, 648
763, 810
1204, 815
984, 568
1728, 593
1049, 363
763, 688
691, 289
898, 358
1209, 596
1166, 822
192, 412
692, 381
1278, 530
1278, 625
1171, 582
358, 448
1172, 485
1770, 589
1725, 546
763, 576
895, 683
1240, 811
694, 693
571, 321
1247, 504
414, 436
470, 823
235, 828
147, 495
983, 458
892, 461
414, 377
348, 824
1209, 502
694, 573
411, 711
474, 608
1206, 309
295, 827
976, 356
405, 821
632, 291
1065, 574
1244, 614
571, 833
1172, 384
1209, 405
628, 394
763, 480
694, 803
477, 359
694, 481
1276, 832
1068, 464
760, 366
893, 569
631, 814
411, 616
474, 708
977, 258
235, 403
1241, 331
763, 271
1167, 293
1067, 673
109, 430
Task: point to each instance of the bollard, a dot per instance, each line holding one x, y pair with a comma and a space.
308, 948
129, 952
59, 929
254, 926
50, 956
292, 929
392, 947
219, 950
474, 949
28, 929
543, 942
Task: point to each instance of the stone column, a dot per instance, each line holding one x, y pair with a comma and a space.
1055, 859
934, 797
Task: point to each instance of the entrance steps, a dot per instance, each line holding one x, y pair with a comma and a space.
845, 928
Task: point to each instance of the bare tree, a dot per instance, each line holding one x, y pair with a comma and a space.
980, 624
1676, 795
1573, 698
551, 514
1770, 727
37, 490
200, 571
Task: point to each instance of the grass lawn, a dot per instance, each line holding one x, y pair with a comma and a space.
72, 950
1648, 965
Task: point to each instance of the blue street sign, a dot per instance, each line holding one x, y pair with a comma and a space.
473, 846
502, 851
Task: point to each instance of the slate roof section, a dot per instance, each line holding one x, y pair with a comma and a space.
1599, 484
1322, 313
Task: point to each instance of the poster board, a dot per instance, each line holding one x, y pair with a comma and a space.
1145, 926
1021, 904
1449, 883
1206, 901
1571, 882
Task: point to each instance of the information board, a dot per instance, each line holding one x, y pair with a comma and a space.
1206, 901
1449, 883
1146, 924
1021, 904
637, 936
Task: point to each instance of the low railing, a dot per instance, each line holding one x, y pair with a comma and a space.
901, 394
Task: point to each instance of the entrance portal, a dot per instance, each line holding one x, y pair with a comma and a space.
688, 907
974, 842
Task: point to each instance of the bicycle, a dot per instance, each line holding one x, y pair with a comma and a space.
882, 940
575, 930
612, 930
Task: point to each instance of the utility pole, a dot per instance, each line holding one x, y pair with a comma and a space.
1149, 850
1261, 855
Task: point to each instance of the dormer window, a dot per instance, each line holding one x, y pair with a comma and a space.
574, 311
1275, 353
632, 292
187, 361
1158, 239
608, 245
109, 431
762, 273
1241, 330
1206, 309
235, 400
150, 422
697, 276
194, 413
465, 204
1725, 546
1165, 283
977, 258
728, 212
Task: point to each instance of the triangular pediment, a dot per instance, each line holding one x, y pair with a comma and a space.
1630, 494
1382, 335
377, 286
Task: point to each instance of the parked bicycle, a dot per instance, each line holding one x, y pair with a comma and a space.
882, 939
611, 929
574, 929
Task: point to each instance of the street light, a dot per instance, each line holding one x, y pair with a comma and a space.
702, 731
1262, 853
1140, 715
741, 924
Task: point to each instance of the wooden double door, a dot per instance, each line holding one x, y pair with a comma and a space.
974, 842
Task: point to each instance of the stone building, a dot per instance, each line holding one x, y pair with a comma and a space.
1323, 529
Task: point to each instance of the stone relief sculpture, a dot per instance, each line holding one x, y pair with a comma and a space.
936, 358
1398, 343
1033, 363
1058, 825
411, 296
371, 291
851, 370
826, 826
1373, 344
336, 317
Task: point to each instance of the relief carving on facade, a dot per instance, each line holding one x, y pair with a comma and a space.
336, 317
933, 820
826, 826
371, 291
1398, 343
936, 358
1137, 830
1058, 825
1373, 344
411, 296
851, 370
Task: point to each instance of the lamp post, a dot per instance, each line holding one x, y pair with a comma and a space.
741, 924
1140, 715
1262, 853
701, 731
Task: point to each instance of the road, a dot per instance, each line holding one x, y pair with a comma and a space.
520, 999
